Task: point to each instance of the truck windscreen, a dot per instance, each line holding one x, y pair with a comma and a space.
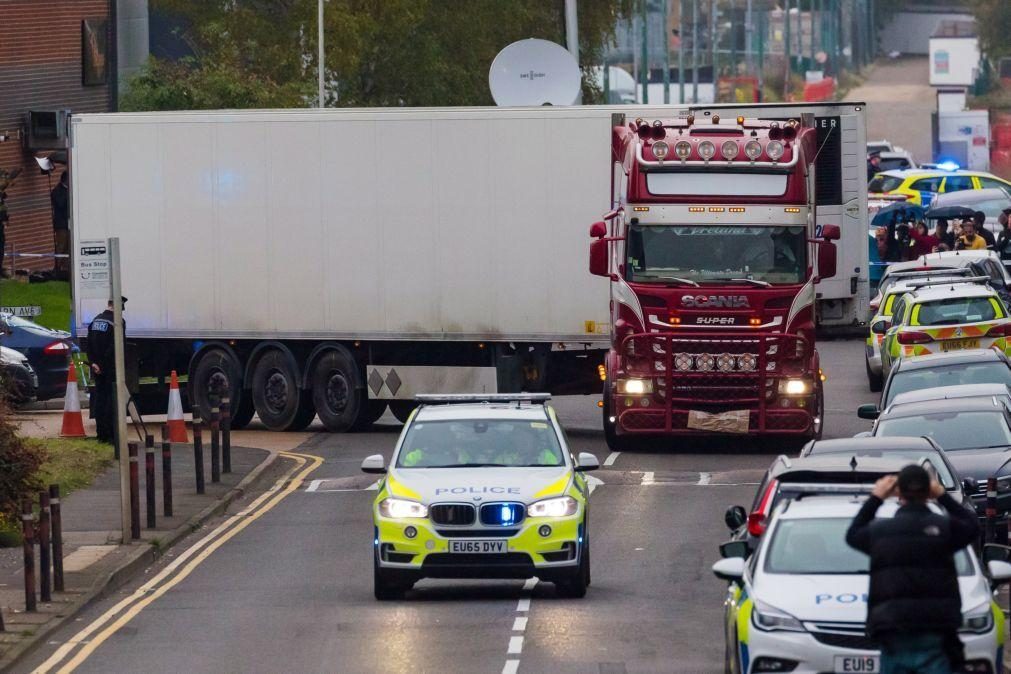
716, 253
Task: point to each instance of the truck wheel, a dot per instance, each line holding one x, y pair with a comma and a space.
402, 409
243, 414
614, 442
276, 395
214, 376
306, 413
337, 392
820, 402
370, 414
875, 382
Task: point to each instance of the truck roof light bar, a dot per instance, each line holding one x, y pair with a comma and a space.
716, 163
458, 398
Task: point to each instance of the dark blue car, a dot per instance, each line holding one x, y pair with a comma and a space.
48, 351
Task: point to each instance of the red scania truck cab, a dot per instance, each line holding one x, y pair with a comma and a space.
713, 259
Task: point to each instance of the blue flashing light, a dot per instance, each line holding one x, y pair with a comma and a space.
376, 542
506, 514
197, 345
948, 166
580, 540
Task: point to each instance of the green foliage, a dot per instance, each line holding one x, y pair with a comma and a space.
993, 23
19, 467
52, 296
262, 53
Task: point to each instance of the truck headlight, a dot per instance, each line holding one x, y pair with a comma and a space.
794, 387
397, 508
635, 386
978, 621
770, 619
561, 506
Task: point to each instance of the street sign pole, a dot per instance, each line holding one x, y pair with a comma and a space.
121, 396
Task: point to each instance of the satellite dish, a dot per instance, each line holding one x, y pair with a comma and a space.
534, 72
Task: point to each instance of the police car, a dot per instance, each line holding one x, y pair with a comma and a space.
943, 318
481, 486
799, 604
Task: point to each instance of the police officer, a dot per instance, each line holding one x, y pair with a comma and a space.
102, 357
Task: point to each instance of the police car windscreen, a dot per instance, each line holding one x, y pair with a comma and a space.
904, 381
474, 443
818, 546
716, 253
956, 310
951, 430
884, 183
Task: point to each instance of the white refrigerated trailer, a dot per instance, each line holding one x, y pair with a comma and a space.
338, 262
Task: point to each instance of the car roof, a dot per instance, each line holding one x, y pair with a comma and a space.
464, 411
963, 356
835, 463
967, 197
951, 393
957, 256
871, 444
910, 283
826, 506
956, 290
976, 404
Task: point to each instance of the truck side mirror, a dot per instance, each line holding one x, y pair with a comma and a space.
598, 258
826, 259
831, 232
598, 230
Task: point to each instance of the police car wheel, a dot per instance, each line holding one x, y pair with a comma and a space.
574, 585
386, 585
875, 382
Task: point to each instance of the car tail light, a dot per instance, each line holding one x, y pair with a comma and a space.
56, 348
1000, 330
914, 337
875, 305
756, 524
758, 519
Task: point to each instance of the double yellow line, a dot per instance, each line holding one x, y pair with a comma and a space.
119, 615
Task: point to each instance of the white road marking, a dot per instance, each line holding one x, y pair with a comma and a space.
511, 667
593, 482
648, 478
314, 485
530, 583
520, 624
704, 478
515, 645
523, 605
373, 487
611, 458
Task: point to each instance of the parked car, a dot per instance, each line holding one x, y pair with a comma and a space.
49, 352
1001, 391
896, 159
921, 187
976, 262
879, 146
18, 382
991, 201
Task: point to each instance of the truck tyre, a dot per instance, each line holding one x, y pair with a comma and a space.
336, 385
215, 375
402, 409
372, 410
276, 395
306, 413
243, 414
614, 442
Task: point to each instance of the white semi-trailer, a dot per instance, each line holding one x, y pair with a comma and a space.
338, 262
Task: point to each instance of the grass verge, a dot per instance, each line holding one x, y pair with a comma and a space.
52, 296
72, 463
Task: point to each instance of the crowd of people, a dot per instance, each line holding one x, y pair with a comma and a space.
903, 240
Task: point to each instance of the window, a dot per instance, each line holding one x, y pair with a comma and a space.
480, 442
986, 183
949, 375
992, 207
954, 311
953, 431
894, 163
881, 183
957, 183
94, 52
927, 184
900, 306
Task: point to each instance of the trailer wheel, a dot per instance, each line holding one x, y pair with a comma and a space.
336, 384
372, 410
243, 414
215, 375
276, 394
402, 409
306, 413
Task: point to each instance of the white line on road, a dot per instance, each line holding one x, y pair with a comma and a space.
530, 584
593, 482
314, 485
648, 478
611, 458
515, 645
511, 667
520, 624
523, 605
373, 487
704, 478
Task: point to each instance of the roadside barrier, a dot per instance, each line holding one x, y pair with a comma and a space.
47, 531
149, 483
73, 422
56, 517
226, 435
198, 451
215, 444
166, 471
45, 553
28, 535
176, 423
134, 492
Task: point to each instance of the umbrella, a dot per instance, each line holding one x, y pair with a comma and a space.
905, 211
950, 212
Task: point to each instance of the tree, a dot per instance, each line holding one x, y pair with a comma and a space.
262, 53
993, 25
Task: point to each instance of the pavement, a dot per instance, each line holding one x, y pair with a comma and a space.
292, 589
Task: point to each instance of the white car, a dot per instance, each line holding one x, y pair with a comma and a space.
799, 604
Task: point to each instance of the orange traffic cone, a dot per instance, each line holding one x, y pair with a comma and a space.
73, 422
176, 423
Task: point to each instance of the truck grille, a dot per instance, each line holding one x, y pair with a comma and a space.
458, 514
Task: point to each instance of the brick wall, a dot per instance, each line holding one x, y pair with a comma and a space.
40, 68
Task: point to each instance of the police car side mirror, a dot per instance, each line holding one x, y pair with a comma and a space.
586, 461
732, 549
868, 411
999, 572
881, 327
735, 517
374, 464
994, 552
731, 569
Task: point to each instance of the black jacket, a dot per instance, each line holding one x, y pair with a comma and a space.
60, 198
914, 585
101, 343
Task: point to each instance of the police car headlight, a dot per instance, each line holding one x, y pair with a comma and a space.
398, 508
978, 621
562, 506
635, 386
794, 387
771, 619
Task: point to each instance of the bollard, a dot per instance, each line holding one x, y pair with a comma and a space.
991, 509
134, 491
166, 472
149, 481
215, 445
56, 523
45, 558
28, 532
226, 435
198, 452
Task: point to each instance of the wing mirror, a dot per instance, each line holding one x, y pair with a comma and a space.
826, 259
994, 552
831, 232
970, 487
374, 464
598, 258
598, 230
881, 327
586, 461
732, 549
868, 411
999, 572
735, 517
732, 569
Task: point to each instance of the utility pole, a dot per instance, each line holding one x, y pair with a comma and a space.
121, 395
695, 51
319, 61
762, 29
666, 53
786, 50
712, 44
749, 17
572, 37
681, 49
644, 68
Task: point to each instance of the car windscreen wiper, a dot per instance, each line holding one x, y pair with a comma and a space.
762, 284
